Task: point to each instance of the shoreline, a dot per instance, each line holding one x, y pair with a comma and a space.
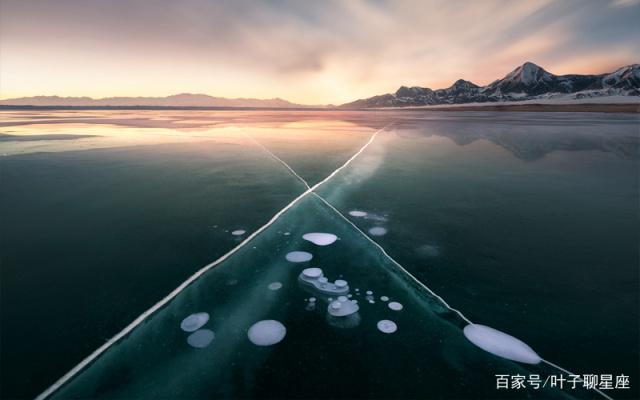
531, 107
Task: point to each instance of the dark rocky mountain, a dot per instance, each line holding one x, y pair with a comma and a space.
527, 82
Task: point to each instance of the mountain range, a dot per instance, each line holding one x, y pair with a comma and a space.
177, 100
527, 82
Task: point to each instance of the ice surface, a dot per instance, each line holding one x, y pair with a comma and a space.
387, 326
201, 338
428, 250
395, 306
501, 344
275, 285
194, 321
298, 256
319, 238
238, 232
357, 213
377, 231
266, 333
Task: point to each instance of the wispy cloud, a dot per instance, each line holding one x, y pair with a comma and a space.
312, 52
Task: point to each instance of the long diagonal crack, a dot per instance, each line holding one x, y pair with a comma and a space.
86, 361
383, 251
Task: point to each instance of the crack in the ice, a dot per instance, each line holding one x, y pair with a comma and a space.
396, 263
86, 361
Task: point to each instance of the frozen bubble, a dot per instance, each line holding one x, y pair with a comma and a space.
357, 290
275, 285
371, 301
357, 213
342, 309
340, 283
501, 344
287, 233
384, 298
342, 298
194, 321
312, 299
299, 256
312, 273
320, 239
266, 333
377, 231
323, 279
349, 295
238, 232
369, 292
395, 306
387, 326
354, 301
201, 338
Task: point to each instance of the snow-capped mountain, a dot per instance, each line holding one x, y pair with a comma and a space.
527, 82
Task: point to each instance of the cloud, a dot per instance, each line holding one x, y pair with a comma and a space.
313, 52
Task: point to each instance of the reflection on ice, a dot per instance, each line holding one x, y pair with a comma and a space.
266, 333
501, 344
298, 256
320, 239
201, 338
387, 326
194, 322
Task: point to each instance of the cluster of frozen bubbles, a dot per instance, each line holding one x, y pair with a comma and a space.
340, 306
269, 332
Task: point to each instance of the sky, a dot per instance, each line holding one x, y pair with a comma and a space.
308, 52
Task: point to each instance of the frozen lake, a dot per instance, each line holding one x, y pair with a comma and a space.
427, 221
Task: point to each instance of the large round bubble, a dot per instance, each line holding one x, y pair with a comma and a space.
387, 326
266, 333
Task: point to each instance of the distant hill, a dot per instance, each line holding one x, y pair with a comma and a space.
527, 82
178, 100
